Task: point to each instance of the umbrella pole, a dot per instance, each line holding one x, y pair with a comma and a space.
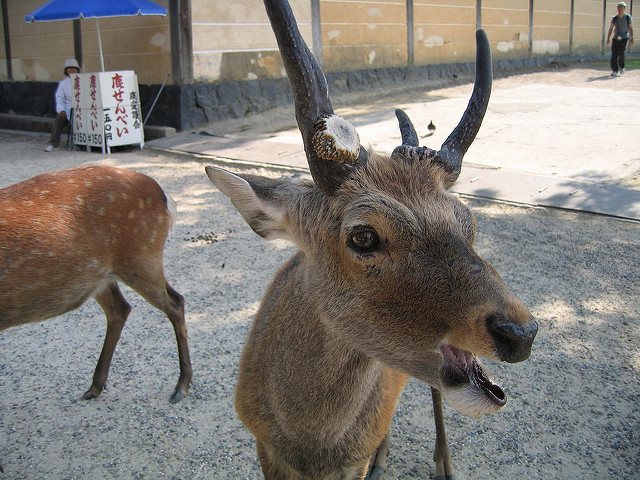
100, 44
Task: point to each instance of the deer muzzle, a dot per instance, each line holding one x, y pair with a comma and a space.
512, 341
465, 382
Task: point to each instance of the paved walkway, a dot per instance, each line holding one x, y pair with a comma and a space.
554, 139
477, 180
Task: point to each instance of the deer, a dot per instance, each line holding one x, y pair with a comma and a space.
72, 234
385, 285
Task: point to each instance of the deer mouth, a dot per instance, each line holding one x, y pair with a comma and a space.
463, 369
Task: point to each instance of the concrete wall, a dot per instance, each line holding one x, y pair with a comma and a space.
364, 34
587, 25
232, 39
38, 50
444, 30
37, 53
551, 22
368, 34
507, 26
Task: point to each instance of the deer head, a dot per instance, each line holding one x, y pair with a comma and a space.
386, 283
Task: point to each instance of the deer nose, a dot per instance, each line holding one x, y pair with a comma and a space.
512, 341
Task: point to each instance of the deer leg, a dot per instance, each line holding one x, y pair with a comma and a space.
265, 464
441, 454
271, 468
175, 312
117, 310
379, 464
149, 282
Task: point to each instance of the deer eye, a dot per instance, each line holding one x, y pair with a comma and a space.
364, 240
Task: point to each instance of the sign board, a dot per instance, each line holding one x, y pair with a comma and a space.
106, 109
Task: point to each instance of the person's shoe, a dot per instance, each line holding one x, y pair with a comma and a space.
614, 74
623, 70
50, 148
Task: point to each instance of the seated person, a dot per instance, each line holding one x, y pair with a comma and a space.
63, 104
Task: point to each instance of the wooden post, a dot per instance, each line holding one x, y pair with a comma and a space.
530, 28
7, 39
410, 40
604, 27
181, 42
316, 30
77, 40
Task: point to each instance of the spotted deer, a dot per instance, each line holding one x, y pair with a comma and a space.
385, 286
69, 235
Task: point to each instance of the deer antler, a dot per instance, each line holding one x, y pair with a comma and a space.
407, 130
331, 143
458, 142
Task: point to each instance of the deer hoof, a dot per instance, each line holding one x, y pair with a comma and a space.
177, 396
96, 389
90, 395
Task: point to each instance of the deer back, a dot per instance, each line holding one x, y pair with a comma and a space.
64, 235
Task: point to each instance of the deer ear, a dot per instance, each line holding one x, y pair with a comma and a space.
261, 201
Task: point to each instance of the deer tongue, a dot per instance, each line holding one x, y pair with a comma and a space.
461, 366
491, 390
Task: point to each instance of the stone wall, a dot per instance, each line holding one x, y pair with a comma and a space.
189, 106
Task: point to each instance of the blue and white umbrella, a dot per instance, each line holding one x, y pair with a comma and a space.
74, 9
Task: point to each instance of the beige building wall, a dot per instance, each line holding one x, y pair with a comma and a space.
587, 25
444, 32
551, 27
39, 49
233, 40
365, 34
37, 53
507, 25
142, 44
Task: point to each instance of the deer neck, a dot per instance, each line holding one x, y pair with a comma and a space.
327, 367
317, 387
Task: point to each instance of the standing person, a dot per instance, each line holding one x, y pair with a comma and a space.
63, 104
621, 24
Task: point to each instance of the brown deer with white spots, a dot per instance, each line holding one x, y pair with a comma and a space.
386, 285
69, 235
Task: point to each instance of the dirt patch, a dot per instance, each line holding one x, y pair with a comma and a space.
573, 406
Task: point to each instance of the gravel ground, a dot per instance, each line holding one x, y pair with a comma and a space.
573, 410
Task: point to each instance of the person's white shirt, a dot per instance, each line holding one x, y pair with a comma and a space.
63, 97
